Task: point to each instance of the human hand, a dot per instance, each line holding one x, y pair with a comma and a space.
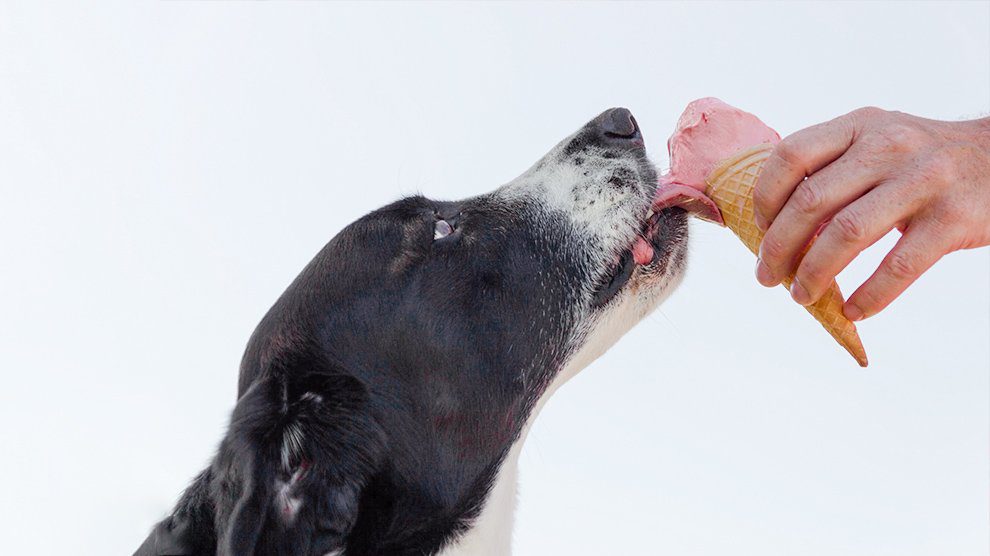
869, 172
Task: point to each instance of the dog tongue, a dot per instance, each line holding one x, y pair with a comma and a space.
672, 194
642, 251
708, 132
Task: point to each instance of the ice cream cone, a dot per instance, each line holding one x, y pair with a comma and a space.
730, 185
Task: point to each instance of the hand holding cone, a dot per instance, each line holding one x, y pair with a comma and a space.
730, 186
713, 169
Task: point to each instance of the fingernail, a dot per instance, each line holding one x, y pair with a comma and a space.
853, 312
800, 294
761, 222
763, 274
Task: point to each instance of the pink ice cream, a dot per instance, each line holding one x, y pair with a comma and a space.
708, 132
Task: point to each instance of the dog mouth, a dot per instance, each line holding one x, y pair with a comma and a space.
663, 225
670, 196
644, 249
649, 250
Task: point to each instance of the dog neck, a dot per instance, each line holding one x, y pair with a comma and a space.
490, 534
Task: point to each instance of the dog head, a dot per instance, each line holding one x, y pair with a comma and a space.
382, 393
459, 317
508, 292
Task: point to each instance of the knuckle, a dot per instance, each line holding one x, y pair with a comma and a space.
867, 112
902, 265
949, 216
874, 142
808, 198
771, 250
789, 151
762, 201
957, 236
850, 226
949, 223
940, 166
870, 299
901, 137
811, 275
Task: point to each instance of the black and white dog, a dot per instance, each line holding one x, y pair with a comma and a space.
385, 397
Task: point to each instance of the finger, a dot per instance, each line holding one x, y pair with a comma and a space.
917, 250
854, 228
798, 155
819, 197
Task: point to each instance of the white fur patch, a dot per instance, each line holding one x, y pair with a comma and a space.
287, 504
609, 215
609, 224
291, 445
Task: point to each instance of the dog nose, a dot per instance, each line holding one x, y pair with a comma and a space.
618, 124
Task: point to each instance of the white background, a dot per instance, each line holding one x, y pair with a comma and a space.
166, 169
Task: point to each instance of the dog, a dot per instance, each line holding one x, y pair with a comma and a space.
385, 397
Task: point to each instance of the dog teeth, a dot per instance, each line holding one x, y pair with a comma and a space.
650, 214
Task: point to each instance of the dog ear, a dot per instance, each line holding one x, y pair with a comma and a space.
250, 511
168, 538
189, 531
299, 451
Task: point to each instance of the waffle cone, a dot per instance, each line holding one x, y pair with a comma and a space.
730, 185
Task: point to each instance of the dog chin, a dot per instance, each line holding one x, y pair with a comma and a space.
649, 287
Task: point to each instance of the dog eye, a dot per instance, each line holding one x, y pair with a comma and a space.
442, 229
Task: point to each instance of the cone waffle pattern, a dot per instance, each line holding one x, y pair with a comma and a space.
730, 185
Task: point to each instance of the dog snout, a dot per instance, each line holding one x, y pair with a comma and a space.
618, 126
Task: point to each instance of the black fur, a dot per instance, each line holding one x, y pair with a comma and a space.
397, 333
382, 391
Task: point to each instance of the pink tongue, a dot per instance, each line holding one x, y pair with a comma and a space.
671, 194
642, 251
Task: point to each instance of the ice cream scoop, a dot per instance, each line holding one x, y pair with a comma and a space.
708, 132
